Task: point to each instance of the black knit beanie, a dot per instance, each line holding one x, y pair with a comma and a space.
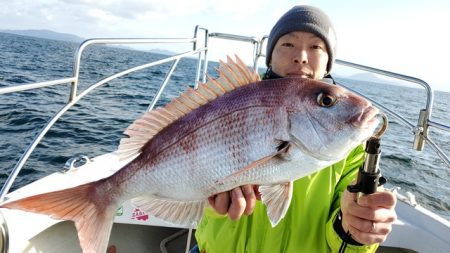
306, 19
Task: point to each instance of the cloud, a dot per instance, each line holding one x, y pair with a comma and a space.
132, 9
77, 13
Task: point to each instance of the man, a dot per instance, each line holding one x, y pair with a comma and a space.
322, 212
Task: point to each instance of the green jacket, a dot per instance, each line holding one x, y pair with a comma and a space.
307, 226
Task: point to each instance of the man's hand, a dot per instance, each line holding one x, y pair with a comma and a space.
235, 203
368, 218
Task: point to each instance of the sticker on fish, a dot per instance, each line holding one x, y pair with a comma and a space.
138, 214
231, 131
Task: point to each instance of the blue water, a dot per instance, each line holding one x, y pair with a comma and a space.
95, 125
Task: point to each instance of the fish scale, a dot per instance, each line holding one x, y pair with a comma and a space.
216, 157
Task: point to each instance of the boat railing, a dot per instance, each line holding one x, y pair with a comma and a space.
421, 129
200, 46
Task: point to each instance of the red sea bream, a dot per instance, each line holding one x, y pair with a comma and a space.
231, 131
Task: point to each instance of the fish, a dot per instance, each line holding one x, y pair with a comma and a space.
233, 130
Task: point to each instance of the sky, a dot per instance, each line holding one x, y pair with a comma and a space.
410, 37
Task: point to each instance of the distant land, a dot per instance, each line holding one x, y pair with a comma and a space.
161, 51
52, 35
374, 78
371, 78
46, 34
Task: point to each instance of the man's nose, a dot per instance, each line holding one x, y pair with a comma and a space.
301, 57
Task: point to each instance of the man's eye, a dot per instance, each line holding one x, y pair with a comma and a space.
287, 44
318, 47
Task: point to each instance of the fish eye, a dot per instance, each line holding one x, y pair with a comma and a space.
326, 100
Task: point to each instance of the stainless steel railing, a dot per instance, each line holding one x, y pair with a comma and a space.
420, 130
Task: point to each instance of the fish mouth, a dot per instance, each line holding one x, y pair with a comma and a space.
367, 118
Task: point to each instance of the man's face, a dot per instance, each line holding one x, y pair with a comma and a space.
300, 54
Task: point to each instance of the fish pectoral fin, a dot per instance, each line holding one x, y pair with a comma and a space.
183, 213
281, 151
246, 168
277, 199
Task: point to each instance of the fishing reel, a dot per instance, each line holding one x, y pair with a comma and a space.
369, 175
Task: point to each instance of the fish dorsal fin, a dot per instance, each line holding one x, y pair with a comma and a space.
232, 75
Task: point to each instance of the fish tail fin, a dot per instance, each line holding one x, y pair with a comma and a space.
93, 216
